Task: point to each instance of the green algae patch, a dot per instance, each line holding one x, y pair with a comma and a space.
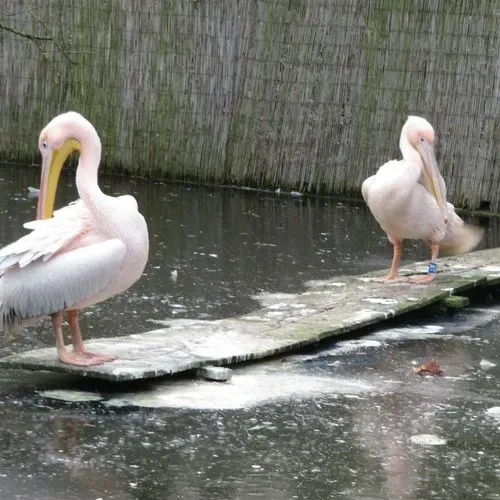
456, 302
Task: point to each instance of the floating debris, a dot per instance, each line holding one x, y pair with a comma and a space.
494, 411
431, 368
33, 192
428, 440
484, 364
420, 332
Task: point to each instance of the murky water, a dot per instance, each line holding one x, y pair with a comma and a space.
343, 422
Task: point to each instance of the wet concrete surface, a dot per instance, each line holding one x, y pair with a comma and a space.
346, 420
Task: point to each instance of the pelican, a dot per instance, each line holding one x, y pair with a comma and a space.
86, 252
408, 199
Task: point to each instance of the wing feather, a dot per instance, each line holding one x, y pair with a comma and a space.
66, 280
48, 236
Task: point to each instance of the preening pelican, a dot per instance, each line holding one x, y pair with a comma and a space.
408, 199
87, 252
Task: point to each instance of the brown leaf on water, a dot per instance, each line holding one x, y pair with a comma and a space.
432, 368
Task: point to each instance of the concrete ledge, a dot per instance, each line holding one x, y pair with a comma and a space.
285, 323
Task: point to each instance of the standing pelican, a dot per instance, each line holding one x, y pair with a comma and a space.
87, 252
408, 199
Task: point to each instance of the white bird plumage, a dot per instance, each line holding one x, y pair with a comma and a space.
88, 251
408, 199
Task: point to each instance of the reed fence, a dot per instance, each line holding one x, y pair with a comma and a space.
299, 94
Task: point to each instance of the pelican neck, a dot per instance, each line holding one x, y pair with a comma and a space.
408, 152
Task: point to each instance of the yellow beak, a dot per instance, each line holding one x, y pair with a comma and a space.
52, 165
432, 179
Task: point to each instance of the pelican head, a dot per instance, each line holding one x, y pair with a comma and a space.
64, 134
418, 133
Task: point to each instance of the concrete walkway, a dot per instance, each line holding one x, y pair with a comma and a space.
285, 323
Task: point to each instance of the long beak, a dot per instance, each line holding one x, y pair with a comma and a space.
432, 177
51, 170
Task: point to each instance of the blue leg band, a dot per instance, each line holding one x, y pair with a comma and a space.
433, 268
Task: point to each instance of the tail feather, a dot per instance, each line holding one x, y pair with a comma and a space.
460, 237
11, 332
9, 322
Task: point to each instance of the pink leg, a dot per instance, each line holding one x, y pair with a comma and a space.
78, 346
397, 248
70, 358
429, 276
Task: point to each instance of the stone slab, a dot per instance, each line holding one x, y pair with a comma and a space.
285, 323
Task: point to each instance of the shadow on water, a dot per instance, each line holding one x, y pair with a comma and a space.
226, 246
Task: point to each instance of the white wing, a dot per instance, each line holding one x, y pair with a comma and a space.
48, 236
67, 279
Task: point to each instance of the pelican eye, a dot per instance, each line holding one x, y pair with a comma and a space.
45, 144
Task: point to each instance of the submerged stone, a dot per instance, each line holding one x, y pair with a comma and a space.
456, 302
217, 373
71, 396
250, 386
